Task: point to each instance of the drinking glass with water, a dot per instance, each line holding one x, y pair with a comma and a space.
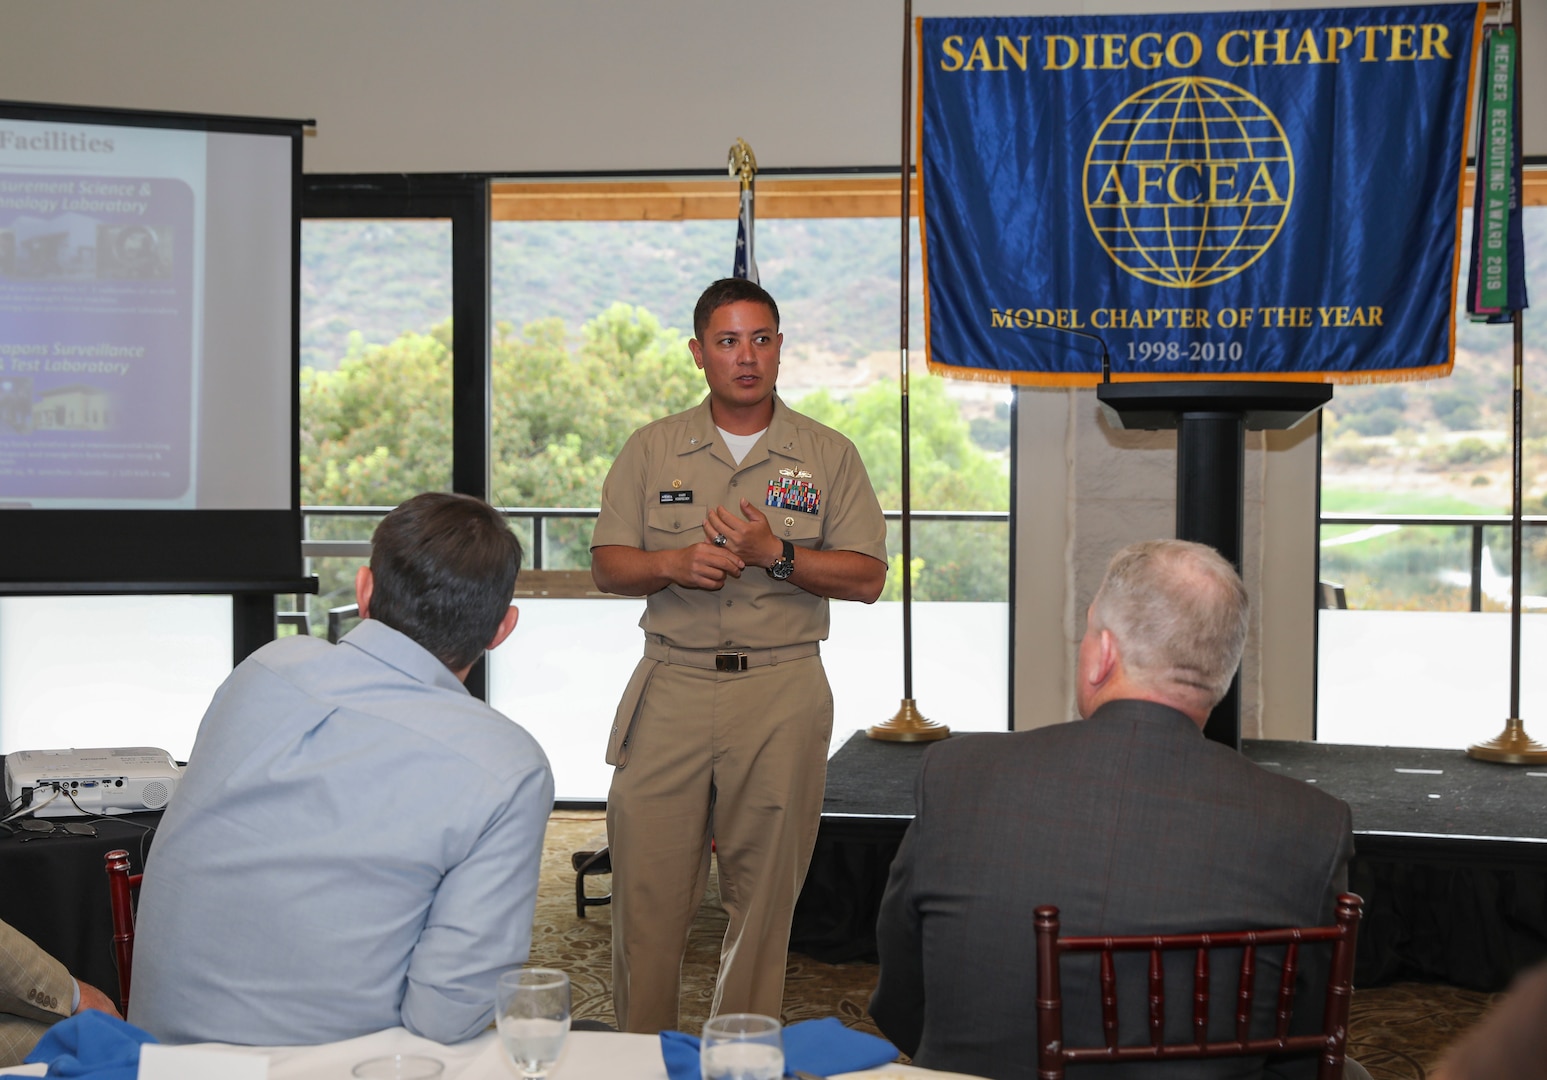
532, 1014
741, 1046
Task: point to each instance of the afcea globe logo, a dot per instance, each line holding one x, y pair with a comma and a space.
1188, 182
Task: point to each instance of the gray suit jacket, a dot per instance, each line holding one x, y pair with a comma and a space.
1130, 822
35, 991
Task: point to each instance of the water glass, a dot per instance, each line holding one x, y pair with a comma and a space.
532, 1014
742, 1046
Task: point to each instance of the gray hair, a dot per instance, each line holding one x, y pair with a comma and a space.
1178, 612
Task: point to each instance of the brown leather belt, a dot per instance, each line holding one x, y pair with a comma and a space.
730, 659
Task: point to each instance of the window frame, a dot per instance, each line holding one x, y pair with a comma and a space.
474, 201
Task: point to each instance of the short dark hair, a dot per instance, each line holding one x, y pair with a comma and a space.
731, 290
444, 571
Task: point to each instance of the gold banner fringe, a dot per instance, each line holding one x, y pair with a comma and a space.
1077, 380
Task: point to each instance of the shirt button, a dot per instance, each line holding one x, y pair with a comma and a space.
730, 603
727, 641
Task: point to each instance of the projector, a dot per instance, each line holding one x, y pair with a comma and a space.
119, 780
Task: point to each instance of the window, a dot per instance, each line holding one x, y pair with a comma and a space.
92, 671
1421, 657
592, 296
376, 361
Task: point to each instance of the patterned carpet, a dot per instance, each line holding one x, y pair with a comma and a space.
1397, 1032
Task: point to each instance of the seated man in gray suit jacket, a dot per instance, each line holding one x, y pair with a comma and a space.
1129, 820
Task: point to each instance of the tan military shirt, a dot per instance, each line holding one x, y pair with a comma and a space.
806, 478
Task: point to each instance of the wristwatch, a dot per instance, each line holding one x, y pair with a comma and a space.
784, 565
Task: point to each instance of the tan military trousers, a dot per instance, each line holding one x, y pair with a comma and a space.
737, 757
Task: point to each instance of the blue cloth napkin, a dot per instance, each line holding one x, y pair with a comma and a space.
93, 1044
822, 1047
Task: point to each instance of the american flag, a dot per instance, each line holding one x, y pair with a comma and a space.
745, 266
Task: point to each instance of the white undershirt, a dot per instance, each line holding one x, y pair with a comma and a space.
739, 445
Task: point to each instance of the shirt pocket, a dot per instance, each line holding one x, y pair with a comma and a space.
803, 530
673, 526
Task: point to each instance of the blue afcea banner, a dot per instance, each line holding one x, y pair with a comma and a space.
1268, 195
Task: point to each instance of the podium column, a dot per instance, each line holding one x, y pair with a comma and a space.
1211, 420
1210, 467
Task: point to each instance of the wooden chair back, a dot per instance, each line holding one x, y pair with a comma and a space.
122, 888
1331, 1042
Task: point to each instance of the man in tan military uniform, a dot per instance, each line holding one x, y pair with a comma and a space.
737, 520
35, 992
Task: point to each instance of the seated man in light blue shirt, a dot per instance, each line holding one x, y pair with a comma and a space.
355, 843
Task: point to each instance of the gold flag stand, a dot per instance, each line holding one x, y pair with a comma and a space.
908, 725
1513, 746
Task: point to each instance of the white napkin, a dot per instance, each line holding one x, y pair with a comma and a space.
161, 1062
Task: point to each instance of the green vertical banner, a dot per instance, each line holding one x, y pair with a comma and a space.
1495, 173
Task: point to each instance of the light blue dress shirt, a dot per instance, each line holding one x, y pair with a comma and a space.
354, 846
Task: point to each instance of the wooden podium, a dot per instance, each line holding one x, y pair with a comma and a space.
1211, 420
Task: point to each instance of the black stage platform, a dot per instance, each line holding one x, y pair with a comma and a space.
1450, 854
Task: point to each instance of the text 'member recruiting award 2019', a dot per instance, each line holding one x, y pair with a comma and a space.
1233, 195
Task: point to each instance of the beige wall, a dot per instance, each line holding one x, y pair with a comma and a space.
514, 85
522, 85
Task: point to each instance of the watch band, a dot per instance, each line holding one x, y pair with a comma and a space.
782, 567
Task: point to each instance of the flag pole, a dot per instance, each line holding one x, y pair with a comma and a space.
908, 724
1513, 746
742, 163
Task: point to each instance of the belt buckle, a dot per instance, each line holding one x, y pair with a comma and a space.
730, 661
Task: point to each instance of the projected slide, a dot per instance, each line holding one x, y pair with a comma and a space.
149, 273
101, 241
